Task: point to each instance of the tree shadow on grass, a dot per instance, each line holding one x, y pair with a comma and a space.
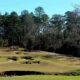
20, 73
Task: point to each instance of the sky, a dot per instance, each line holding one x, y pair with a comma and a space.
50, 6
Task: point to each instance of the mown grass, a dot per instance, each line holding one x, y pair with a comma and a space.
41, 77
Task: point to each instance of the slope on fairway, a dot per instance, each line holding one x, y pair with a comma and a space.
48, 62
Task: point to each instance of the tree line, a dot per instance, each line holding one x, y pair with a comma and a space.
37, 31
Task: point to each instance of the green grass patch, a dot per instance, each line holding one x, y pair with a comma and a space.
41, 77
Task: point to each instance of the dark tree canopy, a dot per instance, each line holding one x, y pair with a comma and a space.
36, 31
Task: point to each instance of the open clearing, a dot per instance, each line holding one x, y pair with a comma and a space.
37, 61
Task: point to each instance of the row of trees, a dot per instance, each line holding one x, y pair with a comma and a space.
36, 31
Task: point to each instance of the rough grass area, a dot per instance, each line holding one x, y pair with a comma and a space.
41, 77
38, 61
